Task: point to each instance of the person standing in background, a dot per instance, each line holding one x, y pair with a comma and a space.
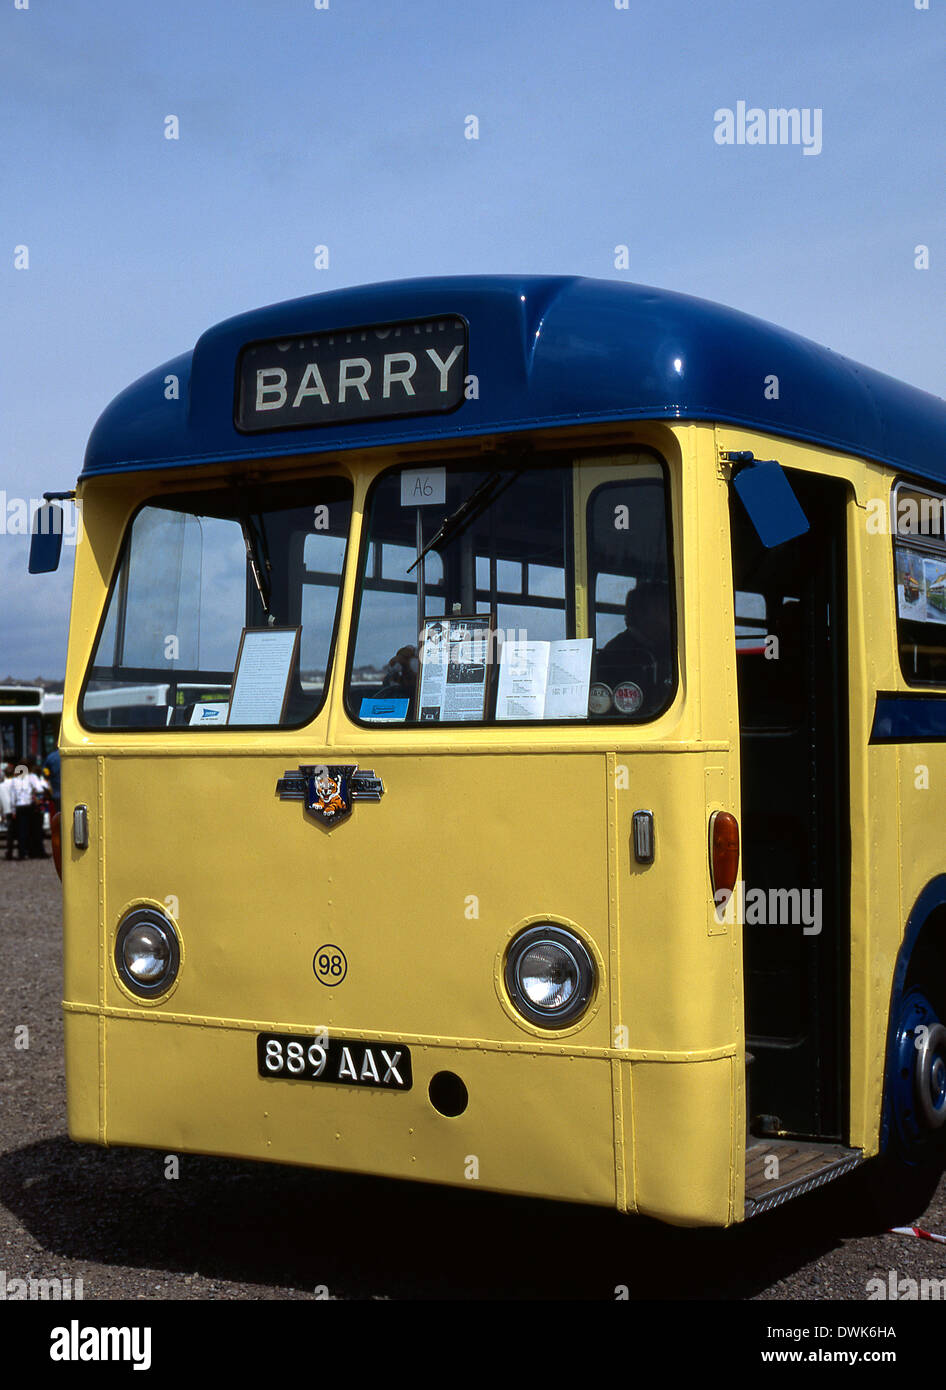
28, 790
40, 789
22, 791
7, 813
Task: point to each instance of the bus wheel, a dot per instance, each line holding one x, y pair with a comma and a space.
895, 1188
918, 1083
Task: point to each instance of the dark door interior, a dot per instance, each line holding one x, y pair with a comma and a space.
792, 672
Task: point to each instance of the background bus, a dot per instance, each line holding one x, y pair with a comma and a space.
29, 722
29, 728
158, 704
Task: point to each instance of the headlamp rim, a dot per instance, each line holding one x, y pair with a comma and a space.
151, 917
559, 936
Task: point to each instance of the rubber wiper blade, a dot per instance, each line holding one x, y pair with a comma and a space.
260, 566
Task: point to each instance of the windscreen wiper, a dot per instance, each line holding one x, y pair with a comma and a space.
258, 558
477, 502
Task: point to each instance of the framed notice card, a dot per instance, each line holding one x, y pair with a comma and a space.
261, 679
454, 669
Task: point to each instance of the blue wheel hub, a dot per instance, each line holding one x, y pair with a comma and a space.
919, 1082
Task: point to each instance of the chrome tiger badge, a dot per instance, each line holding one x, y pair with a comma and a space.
329, 790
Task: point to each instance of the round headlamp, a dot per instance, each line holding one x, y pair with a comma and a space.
147, 952
550, 975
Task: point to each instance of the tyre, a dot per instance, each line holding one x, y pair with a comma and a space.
917, 1083
895, 1188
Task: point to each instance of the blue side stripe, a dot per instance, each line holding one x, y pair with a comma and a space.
909, 719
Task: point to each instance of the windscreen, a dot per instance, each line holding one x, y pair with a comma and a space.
515, 594
223, 610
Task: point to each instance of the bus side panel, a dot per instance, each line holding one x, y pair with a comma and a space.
878, 914
536, 1125
83, 1091
81, 902
684, 1115
679, 966
877, 909
83, 953
678, 992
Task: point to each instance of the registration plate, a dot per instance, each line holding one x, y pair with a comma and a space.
339, 1061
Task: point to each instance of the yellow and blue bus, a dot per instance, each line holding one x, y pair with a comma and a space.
502, 746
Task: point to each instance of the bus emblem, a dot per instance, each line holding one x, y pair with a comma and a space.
329, 790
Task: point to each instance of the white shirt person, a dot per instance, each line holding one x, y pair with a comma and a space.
26, 786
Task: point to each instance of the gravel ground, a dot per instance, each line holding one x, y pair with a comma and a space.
231, 1230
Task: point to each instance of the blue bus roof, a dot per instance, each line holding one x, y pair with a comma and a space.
546, 352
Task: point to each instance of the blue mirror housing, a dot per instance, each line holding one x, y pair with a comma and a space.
46, 541
770, 503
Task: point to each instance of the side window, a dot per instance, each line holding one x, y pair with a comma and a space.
34, 743
751, 623
323, 557
631, 601
920, 584
9, 743
770, 658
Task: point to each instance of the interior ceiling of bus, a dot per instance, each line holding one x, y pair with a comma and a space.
545, 352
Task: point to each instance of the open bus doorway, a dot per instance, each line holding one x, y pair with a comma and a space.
792, 676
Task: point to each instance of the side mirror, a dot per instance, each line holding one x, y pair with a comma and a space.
770, 503
46, 541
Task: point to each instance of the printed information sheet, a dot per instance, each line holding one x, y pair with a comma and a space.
544, 680
454, 669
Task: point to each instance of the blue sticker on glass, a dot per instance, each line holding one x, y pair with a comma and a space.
373, 708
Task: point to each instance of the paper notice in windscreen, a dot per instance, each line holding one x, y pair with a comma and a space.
544, 680
464, 695
454, 669
568, 679
433, 672
520, 693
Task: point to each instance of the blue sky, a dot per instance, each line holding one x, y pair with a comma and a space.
344, 127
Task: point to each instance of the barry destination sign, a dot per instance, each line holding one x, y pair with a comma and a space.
353, 374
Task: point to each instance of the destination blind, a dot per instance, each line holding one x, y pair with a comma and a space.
351, 375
